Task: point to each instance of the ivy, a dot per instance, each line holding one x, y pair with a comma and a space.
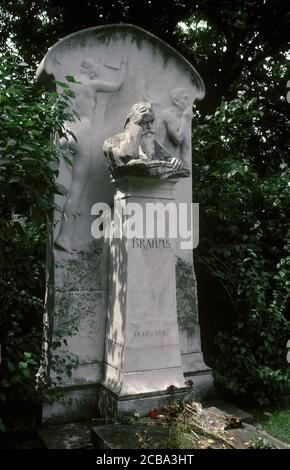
244, 247
29, 161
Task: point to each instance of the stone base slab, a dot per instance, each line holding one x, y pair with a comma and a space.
111, 405
203, 384
82, 402
66, 436
124, 436
73, 404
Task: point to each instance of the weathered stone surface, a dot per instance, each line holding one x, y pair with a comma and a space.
186, 296
115, 66
142, 342
229, 409
248, 433
121, 436
78, 318
72, 403
84, 271
112, 404
66, 436
125, 436
157, 437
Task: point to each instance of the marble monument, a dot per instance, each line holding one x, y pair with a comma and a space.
118, 70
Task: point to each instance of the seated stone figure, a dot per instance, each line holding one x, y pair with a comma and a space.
135, 150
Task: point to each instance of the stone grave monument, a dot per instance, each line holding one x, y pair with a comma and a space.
121, 317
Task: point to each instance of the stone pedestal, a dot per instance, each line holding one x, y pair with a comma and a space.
142, 351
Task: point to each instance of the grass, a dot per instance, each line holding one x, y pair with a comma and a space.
275, 421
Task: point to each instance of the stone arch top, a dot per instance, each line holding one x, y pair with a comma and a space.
154, 72
106, 44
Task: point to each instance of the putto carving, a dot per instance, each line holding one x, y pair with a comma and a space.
173, 127
135, 151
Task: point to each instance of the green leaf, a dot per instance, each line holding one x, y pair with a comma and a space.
26, 373
5, 383
54, 165
60, 189
70, 93
70, 78
22, 365
61, 84
11, 366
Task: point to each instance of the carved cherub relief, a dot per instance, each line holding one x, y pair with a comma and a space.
173, 127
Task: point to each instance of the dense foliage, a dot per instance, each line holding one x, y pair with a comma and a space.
241, 179
28, 163
244, 251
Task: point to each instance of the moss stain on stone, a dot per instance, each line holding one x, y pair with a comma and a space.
186, 296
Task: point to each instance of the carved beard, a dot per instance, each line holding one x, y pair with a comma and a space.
147, 143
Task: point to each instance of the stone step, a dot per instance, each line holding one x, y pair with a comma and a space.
156, 436
231, 410
66, 436
124, 436
249, 432
84, 435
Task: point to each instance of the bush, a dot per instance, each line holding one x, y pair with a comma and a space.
28, 165
245, 241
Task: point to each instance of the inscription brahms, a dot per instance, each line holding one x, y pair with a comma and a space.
151, 243
150, 333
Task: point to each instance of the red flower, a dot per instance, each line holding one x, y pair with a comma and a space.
152, 414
